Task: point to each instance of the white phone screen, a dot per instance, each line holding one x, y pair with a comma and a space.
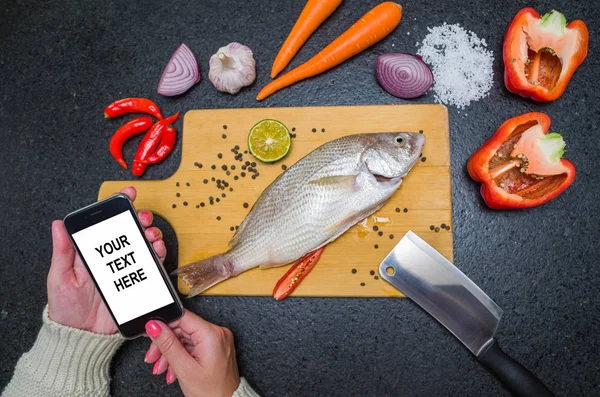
123, 267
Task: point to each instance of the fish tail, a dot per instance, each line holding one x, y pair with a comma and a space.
202, 275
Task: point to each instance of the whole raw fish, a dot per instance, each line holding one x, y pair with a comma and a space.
312, 203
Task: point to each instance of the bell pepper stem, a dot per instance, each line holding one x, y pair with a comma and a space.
555, 22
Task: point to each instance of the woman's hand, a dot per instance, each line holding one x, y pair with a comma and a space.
73, 299
199, 354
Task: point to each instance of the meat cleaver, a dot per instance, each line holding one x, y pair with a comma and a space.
435, 284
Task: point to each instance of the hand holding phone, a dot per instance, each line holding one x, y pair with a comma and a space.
200, 354
73, 297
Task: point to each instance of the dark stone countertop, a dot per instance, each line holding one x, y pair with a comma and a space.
62, 62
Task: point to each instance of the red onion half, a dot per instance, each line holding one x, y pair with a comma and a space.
181, 73
403, 75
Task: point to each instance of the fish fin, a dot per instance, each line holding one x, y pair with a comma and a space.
240, 230
237, 235
296, 261
344, 221
351, 220
270, 265
262, 200
346, 181
205, 273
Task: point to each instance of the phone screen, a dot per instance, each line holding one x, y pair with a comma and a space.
123, 267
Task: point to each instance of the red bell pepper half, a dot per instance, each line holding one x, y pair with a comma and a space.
542, 53
521, 166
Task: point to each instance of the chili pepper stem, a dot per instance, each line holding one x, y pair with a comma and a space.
501, 169
227, 61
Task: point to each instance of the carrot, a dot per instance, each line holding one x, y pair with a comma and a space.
312, 16
371, 28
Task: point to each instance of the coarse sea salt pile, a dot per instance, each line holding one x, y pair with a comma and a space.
461, 64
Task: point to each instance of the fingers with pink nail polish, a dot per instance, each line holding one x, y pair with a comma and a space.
197, 354
160, 366
153, 329
160, 249
146, 217
170, 376
152, 355
153, 234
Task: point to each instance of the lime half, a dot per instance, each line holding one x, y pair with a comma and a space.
269, 140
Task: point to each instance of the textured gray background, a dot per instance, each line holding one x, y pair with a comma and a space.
62, 62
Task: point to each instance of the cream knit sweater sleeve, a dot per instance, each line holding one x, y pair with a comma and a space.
64, 361
70, 362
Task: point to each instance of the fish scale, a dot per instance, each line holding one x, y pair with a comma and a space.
312, 203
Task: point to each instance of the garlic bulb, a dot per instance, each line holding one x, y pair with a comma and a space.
232, 68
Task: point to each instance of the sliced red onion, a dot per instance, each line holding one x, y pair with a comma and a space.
181, 73
403, 75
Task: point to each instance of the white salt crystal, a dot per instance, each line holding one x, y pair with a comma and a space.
460, 62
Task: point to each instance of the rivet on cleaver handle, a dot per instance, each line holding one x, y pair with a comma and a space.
435, 284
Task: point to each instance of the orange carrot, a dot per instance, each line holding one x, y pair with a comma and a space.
312, 16
371, 28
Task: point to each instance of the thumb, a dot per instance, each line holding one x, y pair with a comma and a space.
63, 253
167, 342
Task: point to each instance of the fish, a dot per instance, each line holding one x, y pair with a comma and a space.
312, 203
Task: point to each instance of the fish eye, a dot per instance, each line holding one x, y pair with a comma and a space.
400, 141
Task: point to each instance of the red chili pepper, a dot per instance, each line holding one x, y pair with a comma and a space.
164, 148
132, 105
542, 53
296, 274
149, 144
134, 127
521, 165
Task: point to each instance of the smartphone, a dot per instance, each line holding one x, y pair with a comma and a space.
131, 280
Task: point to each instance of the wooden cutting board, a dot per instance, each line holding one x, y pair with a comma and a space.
348, 267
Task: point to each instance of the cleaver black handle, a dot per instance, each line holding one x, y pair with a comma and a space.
513, 375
